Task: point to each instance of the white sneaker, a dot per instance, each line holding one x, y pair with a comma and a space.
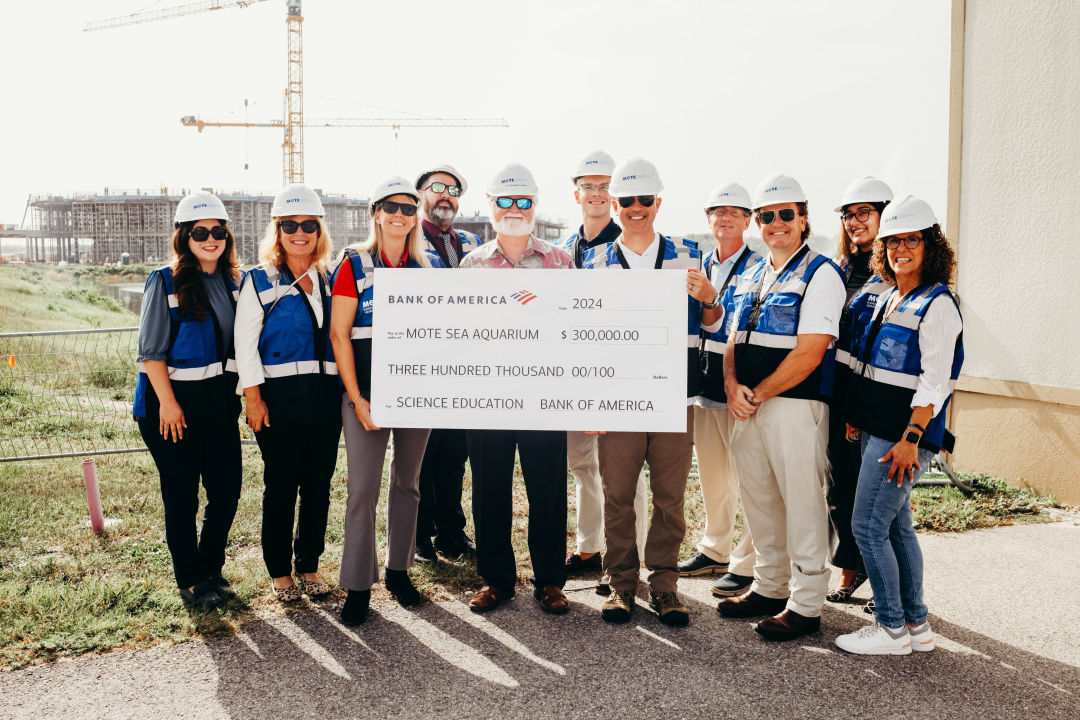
922, 638
875, 640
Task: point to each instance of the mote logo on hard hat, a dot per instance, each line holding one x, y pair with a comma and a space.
196, 207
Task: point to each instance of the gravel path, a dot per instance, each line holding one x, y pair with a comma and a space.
1005, 603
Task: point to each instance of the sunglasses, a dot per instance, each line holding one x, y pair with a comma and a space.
202, 234
862, 215
390, 207
440, 187
644, 200
291, 226
910, 242
765, 217
506, 202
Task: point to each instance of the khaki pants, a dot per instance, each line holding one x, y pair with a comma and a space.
622, 455
780, 454
720, 491
583, 459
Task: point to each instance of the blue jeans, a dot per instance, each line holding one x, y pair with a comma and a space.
881, 523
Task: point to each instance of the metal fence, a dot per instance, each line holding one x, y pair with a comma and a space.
67, 393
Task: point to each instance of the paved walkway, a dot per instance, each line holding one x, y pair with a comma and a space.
1005, 603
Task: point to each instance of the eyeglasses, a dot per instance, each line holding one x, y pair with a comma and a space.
291, 226
591, 187
862, 215
202, 234
440, 187
909, 242
645, 200
506, 202
765, 217
724, 211
390, 207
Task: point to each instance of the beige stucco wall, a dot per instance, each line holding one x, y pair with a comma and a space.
1016, 199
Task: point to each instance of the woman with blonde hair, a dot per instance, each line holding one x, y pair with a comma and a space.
289, 379
396, 242
184, 400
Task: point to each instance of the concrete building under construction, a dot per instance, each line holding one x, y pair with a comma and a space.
135, 225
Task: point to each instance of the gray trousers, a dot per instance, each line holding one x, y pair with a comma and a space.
366, 451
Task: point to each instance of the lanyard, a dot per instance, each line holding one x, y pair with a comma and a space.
626, 266
755, 308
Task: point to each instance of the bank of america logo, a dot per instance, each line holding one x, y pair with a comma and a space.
524, 297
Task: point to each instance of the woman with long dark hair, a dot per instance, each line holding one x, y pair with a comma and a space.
185, 400
860, 214
907, 360
396, 242
289, 378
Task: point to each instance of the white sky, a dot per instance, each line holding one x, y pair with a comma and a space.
824, 90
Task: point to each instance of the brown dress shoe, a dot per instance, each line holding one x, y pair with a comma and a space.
552, 600
489, 598
788, 625
750, 604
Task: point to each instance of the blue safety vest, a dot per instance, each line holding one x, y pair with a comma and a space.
766, 328
469, 242
711, 354
858, 314
673, 254
363, 270
202, 374
573, 244
300, 376
888, 365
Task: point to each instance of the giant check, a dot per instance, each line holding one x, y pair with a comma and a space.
530, 349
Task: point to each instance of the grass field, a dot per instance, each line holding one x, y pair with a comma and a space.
65, 592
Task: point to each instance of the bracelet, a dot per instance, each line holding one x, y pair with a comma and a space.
918, 427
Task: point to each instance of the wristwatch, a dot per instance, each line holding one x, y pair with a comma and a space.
913, 437
714, 304
350, 403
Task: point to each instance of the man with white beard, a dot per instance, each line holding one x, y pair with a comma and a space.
512, 193
440, 515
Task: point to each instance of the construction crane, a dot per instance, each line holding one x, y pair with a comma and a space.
166, 13
292, 145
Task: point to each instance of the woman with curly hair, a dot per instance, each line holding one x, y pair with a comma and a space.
185, 399
907, 361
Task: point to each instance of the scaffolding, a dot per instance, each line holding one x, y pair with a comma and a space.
135, 225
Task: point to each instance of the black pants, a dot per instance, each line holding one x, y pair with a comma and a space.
543, 465
440, 514
210, 452
842, 478
296, 459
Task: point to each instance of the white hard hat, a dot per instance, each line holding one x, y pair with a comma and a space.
200, 205
731, 194
396, 185
636, 176
595, 163
297, 199
865, 190
444, 168
778, 188
514, 179
908, 214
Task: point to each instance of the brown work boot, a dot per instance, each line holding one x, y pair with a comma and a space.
489, 598
788, 625
750, 604
670, 609
552, 599
618, 606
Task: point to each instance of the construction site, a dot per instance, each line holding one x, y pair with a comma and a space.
134, 226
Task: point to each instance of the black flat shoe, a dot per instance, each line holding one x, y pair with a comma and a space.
844, 592
355, 610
